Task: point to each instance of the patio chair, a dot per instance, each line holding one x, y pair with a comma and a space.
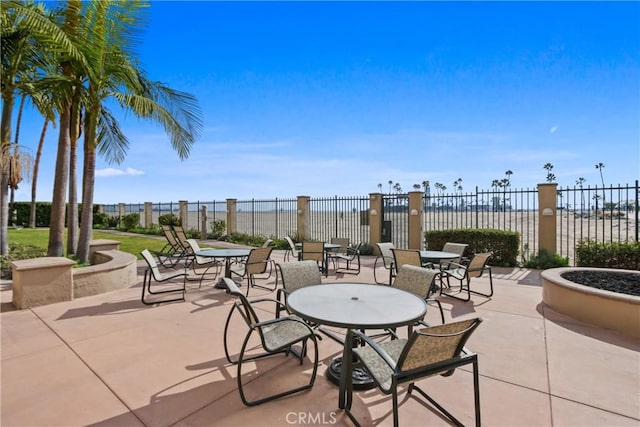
351, 259
256, 263
405, 256
173, 251
427, 352
314, 251
386, 258
456, 248
153, 273
276, 336
292, 251
419, 281
464, 274
295, 275
267, 244
202, 262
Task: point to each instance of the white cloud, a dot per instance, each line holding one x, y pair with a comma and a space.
117, 172
553, 129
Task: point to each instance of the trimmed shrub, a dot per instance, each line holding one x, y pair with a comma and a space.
168, 219
503, 244
590, 253
130, 221
545, 260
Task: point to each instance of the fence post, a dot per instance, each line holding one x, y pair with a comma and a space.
303, 217
121, 208
547, 213
203, 222
183, 207
375, 218
148, 212
416, 217
232, 216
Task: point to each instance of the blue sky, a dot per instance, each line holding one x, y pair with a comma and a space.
332, 98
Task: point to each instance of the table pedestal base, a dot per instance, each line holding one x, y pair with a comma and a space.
220, 284
360, 376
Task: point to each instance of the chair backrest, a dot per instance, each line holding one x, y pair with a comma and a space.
313, 251
195, 247
417, 280
244, 306
436, 344
267, 243
292, 246
258, 260
343, 242
170, 236
152, 264
181, 236
478, 264
296, 275
386, 253
456, 248
354, 251
406, 256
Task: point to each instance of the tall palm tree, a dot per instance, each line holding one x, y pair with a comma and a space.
110, 38
600, 166
27, 34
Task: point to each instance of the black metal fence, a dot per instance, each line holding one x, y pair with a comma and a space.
604, 214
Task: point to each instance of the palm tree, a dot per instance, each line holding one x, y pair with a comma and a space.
580, 183
600, 166
27, 34
549, 167
390, 186
176, 111
379, 187
508, 173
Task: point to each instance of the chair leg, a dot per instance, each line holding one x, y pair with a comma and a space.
476, 391
490, 294
146, 286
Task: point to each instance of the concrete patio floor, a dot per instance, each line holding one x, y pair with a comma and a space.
109, 360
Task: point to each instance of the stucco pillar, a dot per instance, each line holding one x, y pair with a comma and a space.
547, 212
183, 211
375, 219
148, 214
232, 216
415, 221
203, 222
304, 211
121, 207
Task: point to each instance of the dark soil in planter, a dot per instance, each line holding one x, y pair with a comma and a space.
623, 283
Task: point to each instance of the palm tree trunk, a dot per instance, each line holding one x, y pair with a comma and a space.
15, 153
34, 182
5, 144
56, 230
72, 206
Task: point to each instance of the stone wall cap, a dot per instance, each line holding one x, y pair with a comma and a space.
26, 264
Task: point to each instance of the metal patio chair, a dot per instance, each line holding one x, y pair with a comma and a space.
435, 350
153, 273
464, 273
385, 257
277, 336
256, 263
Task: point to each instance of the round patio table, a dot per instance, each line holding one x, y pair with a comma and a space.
227, 254
437, 256
355, 306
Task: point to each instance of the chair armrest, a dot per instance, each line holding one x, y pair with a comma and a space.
374, 345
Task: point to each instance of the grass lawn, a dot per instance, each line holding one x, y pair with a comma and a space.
131, 244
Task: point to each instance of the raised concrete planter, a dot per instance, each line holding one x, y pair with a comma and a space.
48, 280
41, 281
101, 245
112, 270
598, 307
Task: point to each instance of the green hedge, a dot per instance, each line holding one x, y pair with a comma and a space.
503, 244
43, 214
590, 253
